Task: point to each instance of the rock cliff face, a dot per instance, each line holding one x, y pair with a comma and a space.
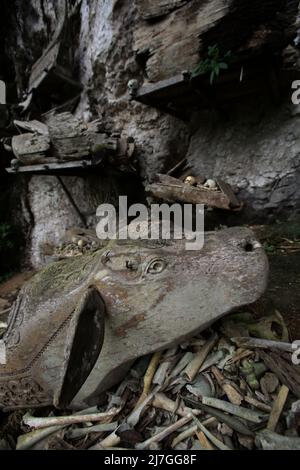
252, 144
257, 151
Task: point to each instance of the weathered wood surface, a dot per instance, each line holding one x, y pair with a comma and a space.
66, 138
32, 126
32, 148
169, 295
149, 9
236, 25
173, 190
51, 81
48, 59
53, 168
72, 139
269, 440
253, 343
171, 51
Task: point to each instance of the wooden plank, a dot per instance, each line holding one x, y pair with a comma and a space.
32, 126
227, 190
277, 408
58, 167
154, 90
253, 343
181, 92
42, 67
49, 57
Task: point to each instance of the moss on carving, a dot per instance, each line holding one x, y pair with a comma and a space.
64, 275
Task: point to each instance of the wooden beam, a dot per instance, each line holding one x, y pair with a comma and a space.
55, 167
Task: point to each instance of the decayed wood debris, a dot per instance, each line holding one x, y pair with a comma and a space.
212, 193
160, 406
65, 138
53, 70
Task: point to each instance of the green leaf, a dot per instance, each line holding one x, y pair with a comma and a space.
213, 63
212, 49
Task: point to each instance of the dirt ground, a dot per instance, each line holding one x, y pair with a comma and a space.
14, 284
282, 244
283, 292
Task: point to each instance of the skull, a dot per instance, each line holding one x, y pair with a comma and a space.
210, 184
132, 86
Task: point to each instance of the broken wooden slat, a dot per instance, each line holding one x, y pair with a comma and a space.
161, 89
48, 59
204, 442
42, 67
32, 126
209, 435
193, 367
39, 423
149, 377
241, 412
257, 404
237, 424
234, 396
51, 74
277, 408
252, 343
227, 190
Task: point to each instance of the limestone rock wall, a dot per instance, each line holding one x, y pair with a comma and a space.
53, 213
257, 150
107, 62
114, 41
